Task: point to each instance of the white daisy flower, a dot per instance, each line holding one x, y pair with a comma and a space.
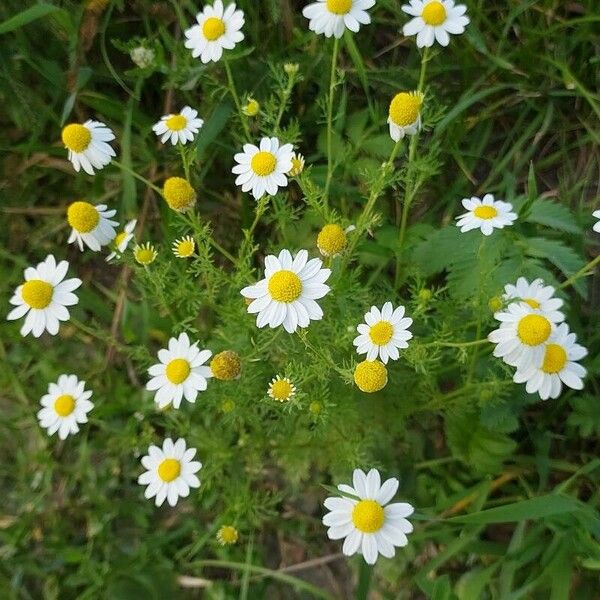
383, 332
434, 20
369, 524
288, 292
265, 168
557, 366
43, 297
122, 240
218, 29
536, 295
181, 127
332, 17
596, 226
180, 372
184, 247
64, 406
522, 335
486, 214
170, 472
91, 225
404, 116
88, 145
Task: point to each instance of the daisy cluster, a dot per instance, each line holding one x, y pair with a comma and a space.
532, 336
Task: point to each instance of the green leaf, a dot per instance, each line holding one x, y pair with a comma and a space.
532, 193
213, 126
553, 215
585, 416
27, 16
532, 509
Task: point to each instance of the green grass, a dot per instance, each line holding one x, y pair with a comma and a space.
506, 487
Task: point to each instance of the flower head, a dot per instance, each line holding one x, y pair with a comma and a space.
522, 335
91, 225
288, 293
44, 297
404, 117
557, 366
142, 57
333, 17
181, 127
179, 194
486, 214
226, 365
170, 471
281, 389
332, 239
88, 145
291, 68
370, 376
596, 227
262, 169
145, 254
383, 332
65, 406
217, 29
184, 247
227, 535
122, 240
367, 522
251, 108
537, 296
297, 165
434, 20
180, 372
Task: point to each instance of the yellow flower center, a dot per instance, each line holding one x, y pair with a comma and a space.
64, 405
381, 333
252, 107
145, 254
485, 212
226, 365
285, 286
169, 469
368, 516
405, 107
179, 194
176, 122
370, 376
331, 240
82, 216
119, 238
533, 303
281, 390
76, 137
297, 167
177, 370
339, 7
213, 28
434, 13
227, 535
263, 163
37, 293
555, 359
185, 248
534, 330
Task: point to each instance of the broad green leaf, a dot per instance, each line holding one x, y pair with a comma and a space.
552, 214
27, 16
532, 509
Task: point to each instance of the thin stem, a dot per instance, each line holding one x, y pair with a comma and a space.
286, 94
334, 56
137, 175
192, 220
184, 161
409, 191
583, 272
458, 344
236, 99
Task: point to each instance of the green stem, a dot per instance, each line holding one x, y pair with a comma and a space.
364, 581
236, 99
459, 344
137, 175
409, 191
334, 57
583, 272
286, 94
260, 209
191, 220
184, 161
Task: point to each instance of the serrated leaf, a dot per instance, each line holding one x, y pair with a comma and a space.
553, 215
585, 416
